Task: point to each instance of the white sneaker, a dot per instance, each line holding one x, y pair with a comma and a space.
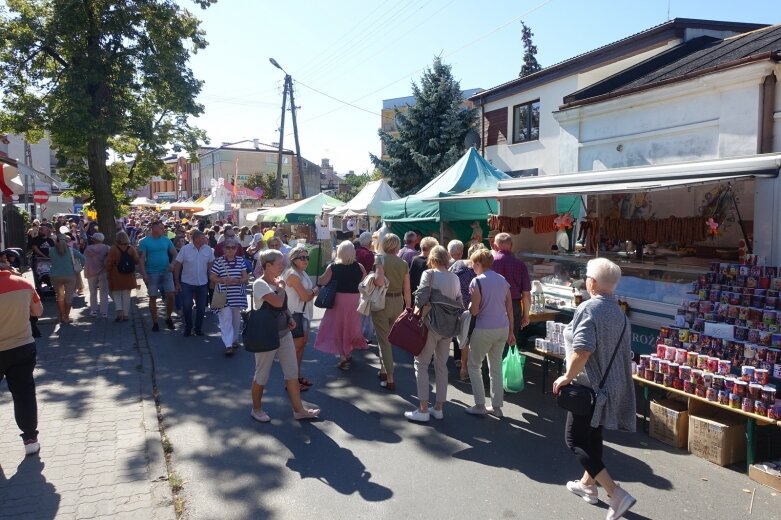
477, 410
436, 414
417, 416
588, 493
260, 416
496, 411
620, 503
31, 447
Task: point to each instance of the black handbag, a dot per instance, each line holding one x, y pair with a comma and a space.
327, 295
257, 332
580, 399
298, 317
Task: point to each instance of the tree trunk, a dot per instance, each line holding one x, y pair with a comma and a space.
97, 150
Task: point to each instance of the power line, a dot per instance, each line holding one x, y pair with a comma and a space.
345, 34
372, 31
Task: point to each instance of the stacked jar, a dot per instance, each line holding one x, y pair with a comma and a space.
710, 378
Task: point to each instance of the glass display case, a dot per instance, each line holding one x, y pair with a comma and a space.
563, 276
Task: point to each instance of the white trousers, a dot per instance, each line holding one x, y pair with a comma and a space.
230, 325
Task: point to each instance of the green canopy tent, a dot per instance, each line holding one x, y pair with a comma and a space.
301, 212
471, 174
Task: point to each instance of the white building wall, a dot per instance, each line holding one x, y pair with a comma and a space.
715, 116
544, 153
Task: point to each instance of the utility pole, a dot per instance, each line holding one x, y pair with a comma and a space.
278, 190
288, 88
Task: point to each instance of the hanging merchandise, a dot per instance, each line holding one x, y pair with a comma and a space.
512, 225
713, 227
563, 221
545, 224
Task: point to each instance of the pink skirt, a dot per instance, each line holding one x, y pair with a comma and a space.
340, 329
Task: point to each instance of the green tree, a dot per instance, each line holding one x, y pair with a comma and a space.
102, 75
530, 63
355, 183
266, 182
431, 132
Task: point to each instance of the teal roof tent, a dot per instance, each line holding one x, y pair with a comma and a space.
470, 175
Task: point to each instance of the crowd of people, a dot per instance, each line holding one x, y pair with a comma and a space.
195, 266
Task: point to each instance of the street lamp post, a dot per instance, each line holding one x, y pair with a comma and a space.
288, 88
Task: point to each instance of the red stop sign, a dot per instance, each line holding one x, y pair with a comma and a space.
40, 197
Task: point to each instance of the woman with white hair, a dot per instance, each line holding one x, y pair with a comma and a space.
599, 330
97, 277
63, 275
340, 329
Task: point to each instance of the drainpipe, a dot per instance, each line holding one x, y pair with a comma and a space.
768, 108
482, 129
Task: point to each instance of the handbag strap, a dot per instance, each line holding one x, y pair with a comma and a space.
613, 357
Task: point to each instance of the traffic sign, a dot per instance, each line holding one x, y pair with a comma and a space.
40, 197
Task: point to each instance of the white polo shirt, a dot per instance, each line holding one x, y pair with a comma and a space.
195, 264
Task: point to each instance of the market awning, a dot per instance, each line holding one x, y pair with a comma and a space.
637, 179
255, 215
207, 212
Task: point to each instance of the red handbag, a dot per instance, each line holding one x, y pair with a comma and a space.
409, 332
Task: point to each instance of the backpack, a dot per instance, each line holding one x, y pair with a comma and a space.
126, 264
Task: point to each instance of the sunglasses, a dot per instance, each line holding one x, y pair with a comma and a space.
302, 258
229, 247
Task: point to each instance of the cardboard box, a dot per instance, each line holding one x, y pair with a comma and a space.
716, 435
670, 422
757, 474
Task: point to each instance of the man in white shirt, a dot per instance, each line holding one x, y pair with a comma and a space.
191, 278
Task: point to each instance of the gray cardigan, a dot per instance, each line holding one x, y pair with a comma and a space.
596, 328
444, 312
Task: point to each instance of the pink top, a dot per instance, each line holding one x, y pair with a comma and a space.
95, 255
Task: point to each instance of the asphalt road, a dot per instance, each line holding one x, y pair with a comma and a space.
364, 460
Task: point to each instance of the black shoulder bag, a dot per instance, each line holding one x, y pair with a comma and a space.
580, 399
259, 323
327, 295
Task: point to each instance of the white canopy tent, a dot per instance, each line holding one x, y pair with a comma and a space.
143, 202
367, 202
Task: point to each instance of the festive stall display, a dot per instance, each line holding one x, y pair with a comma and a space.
726, 344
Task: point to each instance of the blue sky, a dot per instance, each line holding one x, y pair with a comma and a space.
361, 52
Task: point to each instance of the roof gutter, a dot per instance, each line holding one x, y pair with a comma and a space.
770, 55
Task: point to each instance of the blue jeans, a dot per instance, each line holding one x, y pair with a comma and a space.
199, 292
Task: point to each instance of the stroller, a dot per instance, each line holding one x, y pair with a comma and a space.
41, 269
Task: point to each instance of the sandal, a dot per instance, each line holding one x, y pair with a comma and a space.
382, 376
390, 387
304, 381
463, 375
229, 351
343, 365
302, 387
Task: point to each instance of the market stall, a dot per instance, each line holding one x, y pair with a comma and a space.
663, 224
303, 214
143, 202
440, 208
365, 206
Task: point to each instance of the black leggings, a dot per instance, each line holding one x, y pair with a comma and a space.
585, 442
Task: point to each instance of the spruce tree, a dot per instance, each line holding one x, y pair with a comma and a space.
530, 63
431, 132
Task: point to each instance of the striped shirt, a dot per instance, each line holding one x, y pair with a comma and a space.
237, 294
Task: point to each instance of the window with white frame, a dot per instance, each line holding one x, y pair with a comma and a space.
526, 122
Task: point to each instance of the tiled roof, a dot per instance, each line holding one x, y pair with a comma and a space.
686, 60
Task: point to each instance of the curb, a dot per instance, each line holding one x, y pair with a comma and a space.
162, 497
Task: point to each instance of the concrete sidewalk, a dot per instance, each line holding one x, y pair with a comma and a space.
101, 452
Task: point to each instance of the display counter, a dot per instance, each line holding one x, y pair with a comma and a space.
652, 289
